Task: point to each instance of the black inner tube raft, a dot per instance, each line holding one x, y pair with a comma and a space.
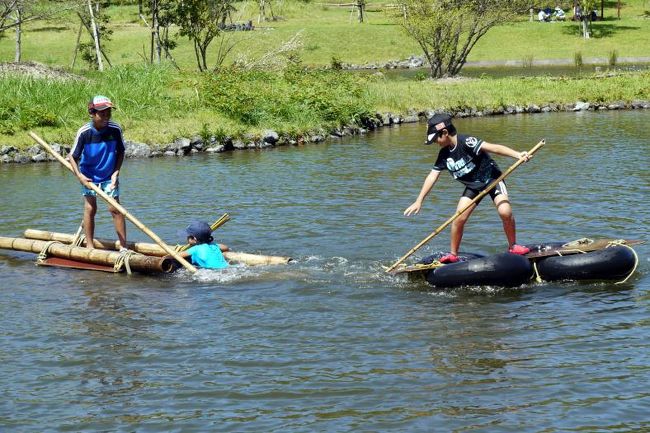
613, 263
505, 270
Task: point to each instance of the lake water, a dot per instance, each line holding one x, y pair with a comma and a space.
331, 343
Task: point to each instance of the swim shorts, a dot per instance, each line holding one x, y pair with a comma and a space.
499, 189
104, 186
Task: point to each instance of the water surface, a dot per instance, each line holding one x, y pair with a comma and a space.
331, 343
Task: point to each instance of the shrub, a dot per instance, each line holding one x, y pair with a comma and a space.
297, 95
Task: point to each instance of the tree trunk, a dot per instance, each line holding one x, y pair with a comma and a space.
155, 30
262, 16
19, 30
76, 46
100, 64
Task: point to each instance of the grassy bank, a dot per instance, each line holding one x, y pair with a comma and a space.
158, 104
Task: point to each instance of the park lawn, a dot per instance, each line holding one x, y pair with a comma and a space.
329, 32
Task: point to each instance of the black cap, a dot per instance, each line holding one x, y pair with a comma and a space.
437, 123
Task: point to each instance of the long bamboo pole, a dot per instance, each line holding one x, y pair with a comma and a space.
118, 206
460, 212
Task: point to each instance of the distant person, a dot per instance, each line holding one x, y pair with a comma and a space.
543, 16
202, 251
97, 156
558, 13
467, 159
577, 13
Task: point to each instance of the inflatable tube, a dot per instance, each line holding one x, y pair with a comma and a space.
505, 269
611, 263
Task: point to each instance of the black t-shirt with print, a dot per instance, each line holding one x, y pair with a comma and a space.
467, 164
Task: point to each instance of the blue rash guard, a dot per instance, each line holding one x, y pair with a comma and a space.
97, 150
207, 256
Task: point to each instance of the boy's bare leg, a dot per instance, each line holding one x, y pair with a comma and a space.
120, 224
90, 210
507, 218
458, 226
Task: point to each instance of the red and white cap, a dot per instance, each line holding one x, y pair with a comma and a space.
100, 103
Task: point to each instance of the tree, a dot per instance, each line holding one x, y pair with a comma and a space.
201, 21
586, 15
447, 30
13, 13
95, 21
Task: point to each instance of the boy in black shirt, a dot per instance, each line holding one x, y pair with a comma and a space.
468, 161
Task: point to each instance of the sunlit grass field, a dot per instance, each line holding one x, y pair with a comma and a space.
330, 31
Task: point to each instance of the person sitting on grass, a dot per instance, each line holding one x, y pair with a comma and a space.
543, 16
202, 252
558, 13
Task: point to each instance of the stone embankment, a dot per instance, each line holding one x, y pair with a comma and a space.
188, 146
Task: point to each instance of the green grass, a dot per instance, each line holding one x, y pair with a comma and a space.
329, 31
157, 105
488, 93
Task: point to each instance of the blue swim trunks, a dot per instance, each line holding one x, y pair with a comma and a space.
104, 186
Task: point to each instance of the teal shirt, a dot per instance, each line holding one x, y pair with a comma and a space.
207, 256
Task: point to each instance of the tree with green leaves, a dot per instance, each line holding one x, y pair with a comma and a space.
13, 13
447, 30
201, 21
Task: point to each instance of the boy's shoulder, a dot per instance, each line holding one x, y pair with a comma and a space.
469, 140
114, 125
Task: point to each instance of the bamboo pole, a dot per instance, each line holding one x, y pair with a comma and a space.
155, 250
118, 206
137, 262
460, 212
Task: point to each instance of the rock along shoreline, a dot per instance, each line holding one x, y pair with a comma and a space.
269, 139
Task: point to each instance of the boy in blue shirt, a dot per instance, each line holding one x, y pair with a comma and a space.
202, 251
97, 156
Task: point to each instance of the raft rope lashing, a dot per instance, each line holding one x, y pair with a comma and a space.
123, 261
42, 256
79, 237
621, 242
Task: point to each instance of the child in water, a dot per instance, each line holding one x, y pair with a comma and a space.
202, 252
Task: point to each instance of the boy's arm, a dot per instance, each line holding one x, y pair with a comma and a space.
116, 172
75, 169
426, 187
502, 150
223, 248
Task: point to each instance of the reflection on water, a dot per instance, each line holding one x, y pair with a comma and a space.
331, 342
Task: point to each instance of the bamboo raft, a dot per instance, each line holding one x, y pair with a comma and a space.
56, 249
